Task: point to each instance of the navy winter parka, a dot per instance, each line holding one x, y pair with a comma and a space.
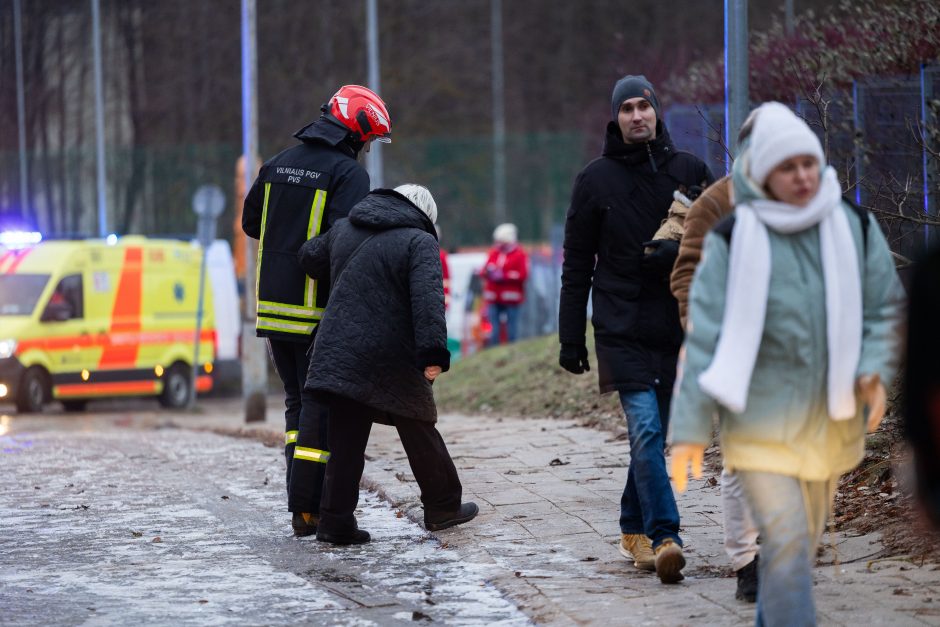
618, 202
300, 193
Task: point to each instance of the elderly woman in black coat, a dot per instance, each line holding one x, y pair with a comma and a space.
382, 342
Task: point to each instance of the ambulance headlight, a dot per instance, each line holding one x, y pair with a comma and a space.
7, 348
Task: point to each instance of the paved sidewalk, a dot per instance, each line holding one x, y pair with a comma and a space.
549, 493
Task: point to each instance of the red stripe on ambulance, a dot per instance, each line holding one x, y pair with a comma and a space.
18, 257
125, 316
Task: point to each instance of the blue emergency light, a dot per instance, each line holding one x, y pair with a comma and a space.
19, 239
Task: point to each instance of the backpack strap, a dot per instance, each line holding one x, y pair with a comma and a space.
725, 226
862, 214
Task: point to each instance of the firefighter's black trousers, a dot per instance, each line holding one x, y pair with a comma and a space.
305, 426
350, 424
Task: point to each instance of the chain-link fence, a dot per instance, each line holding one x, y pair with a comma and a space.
149, 188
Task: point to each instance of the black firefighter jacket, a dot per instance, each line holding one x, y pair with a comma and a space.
299, 194
384, 322
618, 202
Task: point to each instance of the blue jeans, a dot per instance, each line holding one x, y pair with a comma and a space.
791, 516
648, 505
495, 312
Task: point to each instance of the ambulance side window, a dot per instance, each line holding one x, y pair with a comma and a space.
66, 302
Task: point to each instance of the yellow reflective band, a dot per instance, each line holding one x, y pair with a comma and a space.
290, 437
313, 229
264, 210
310, 292
272, 324
311, 454
316, 213
297, 311
264, 219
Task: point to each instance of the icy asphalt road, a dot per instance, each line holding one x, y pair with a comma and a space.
125, 526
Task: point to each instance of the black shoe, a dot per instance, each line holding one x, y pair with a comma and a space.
356, 536
304, 524
466, 513
747, 583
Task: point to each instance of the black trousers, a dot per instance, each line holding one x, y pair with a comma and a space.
350, 424
306, 424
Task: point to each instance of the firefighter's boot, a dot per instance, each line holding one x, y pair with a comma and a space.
304, 524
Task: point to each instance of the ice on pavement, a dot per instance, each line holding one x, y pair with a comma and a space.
174, 527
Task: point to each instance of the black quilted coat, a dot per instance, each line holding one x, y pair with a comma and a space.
384, 322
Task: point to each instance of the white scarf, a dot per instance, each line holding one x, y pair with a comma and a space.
728, 377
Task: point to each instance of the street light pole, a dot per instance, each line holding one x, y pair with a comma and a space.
254, 357
374, 157
99, 120
736, 72
21, 108
499, 112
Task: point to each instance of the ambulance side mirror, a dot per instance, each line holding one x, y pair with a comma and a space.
56, 312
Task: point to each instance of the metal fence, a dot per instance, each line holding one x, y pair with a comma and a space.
882, 136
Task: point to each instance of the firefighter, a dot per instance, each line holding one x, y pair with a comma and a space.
299, 194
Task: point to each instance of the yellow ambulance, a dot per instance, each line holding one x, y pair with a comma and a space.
90, 319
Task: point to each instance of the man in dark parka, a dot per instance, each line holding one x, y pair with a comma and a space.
384, 337
618, 202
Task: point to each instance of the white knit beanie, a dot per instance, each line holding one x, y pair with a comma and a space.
421, 197
505, 234
779, 135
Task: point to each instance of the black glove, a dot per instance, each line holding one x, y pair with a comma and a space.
574, 358
662, 259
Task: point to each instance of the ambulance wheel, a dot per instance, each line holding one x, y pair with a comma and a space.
33, 391
75, 406
175, 386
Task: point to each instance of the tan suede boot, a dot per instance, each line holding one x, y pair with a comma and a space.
637, 547
669, 562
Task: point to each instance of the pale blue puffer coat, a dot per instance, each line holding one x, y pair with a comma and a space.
786, 428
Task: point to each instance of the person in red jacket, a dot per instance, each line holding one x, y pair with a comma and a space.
504, 278
445, 270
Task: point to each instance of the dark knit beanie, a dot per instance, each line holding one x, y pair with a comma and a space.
633, 87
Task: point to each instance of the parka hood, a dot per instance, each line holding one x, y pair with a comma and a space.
330, 133
656, 151
385, 209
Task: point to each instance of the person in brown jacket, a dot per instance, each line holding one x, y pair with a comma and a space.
740, 528
711, 206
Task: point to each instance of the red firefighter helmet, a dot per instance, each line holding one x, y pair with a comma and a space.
361, 110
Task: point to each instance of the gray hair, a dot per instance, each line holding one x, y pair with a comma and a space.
421, 197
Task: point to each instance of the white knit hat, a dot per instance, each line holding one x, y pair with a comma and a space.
505, 234
421, 197
779, 135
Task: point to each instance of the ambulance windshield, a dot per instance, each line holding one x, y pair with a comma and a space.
20, 292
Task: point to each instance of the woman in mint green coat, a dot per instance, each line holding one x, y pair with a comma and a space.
794, 322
